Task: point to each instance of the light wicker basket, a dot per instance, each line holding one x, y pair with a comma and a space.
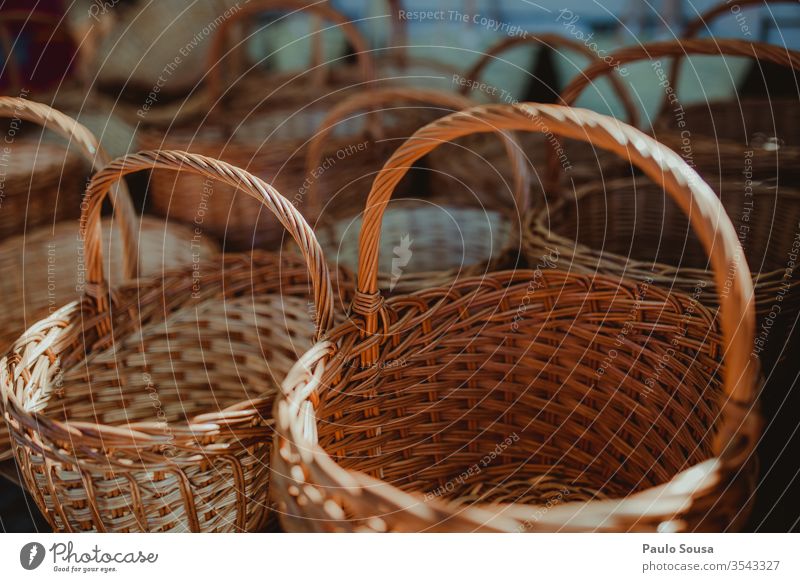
432, 237
582, 161
41, 269
147, 407
264, 128
481, 406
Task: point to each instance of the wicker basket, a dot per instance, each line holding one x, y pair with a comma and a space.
581, 161
435, 237
39, 270
626, 228
766, 216
711, 136
264, 129
132, 45
537, 400
722, 131
147, 408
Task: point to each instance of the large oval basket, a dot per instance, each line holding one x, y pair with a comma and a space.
538, 400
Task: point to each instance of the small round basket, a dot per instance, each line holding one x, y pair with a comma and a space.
539, 400
147, 407
40, 270
262, 124
430, 238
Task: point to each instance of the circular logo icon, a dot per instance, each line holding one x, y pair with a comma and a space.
31, 555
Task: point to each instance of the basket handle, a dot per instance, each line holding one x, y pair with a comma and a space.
77, 134
695, 26
223, 172
662, 165
715, 47
739, 48
319, 8
398, 53
552, 41
384, 97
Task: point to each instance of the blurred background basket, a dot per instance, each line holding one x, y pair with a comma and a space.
608, 228
41, 269
448, 396
763, 130
262, 123
434, 235
147, 407
580, 160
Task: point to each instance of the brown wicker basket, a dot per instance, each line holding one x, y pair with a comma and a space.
711, 136
581, 161
766, 216
627, 228
723, 131
527, 401
432, 237
40, 270
263, 128
147, 407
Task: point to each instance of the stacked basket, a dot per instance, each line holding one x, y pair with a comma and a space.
606, 227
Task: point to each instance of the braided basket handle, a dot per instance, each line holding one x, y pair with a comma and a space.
319, 9
695, 26
662, 165
77, 134
551, 41
223, 172
384, 97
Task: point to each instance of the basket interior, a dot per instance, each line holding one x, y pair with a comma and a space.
638, 220
549, 389
199, 360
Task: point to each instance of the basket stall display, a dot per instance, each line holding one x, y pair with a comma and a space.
435, 235
504, 403
582, 161
261, 123
629, 227
147, 407
40, 269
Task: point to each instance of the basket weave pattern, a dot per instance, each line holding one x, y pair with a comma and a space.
96, 451
379, 425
